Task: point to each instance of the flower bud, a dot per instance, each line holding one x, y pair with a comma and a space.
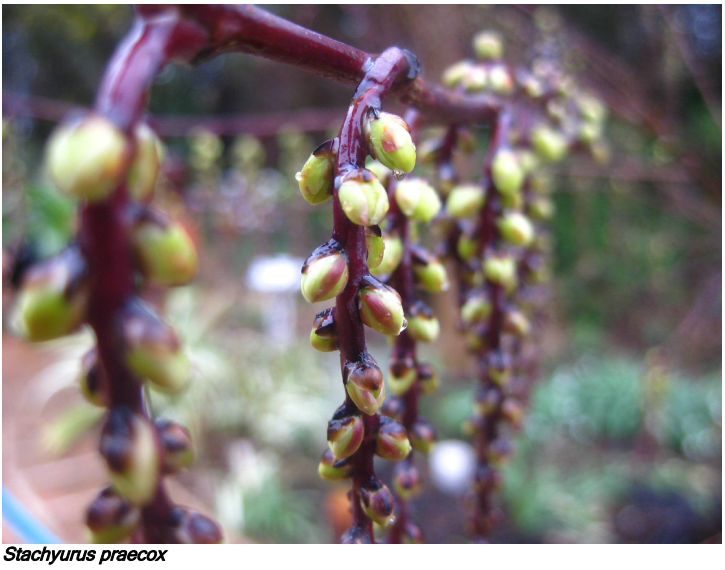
500, 80
506, 172
86, 158
54, 296
548, 143
128, 444
333, 469
428, 379
512, 411
391, 441
165, 251
422, 435
402, 375
406, 481
501, 270
541, 208
429, 273
417, 199
393, 408
355, 535
365, 385
325, 273
499, 366
192, 527
488, 45
516, 228
111, 518
381, 172
323, 336
381, 308
377, 501
390, 142
515, 322
453, 75
89, 379
475, 79
345, 432
488, 400
411, 534
465, 201
153, 350
392, 255
146, 163
176, 444
466, 246
375, 245
476, 308
499, 451
363, 199
422, 324
315, 178
589, 132
487, 479
592, 109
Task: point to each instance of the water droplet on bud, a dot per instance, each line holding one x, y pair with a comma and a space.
398, 175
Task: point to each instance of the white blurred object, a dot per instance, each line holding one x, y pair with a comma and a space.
279, 277
452, 465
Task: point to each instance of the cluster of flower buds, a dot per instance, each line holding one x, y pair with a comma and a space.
487, 73
89, 159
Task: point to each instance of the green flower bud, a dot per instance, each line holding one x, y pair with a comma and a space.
422, 324
363, 199
406, 481
501, 270
516, 228
417, 199
128, 444
146, 163
391, 440
375, 245
515, 322
422, 435
323, 336
89, 379
541, 182
592, 109
589, 132
192, 527
475, 79
512, 411
86, 158
548, 143
532, 87
465, 201
488, 45
453, 75
429, 273
377, 501
345, 432
365, 385
54, 297
428, 379
325, 273
500, 80
402, 375
381, 308
390, 142
110, 518
541, 208
466, 246
153, 350
165, 251
382, 173
476, 308
411, 534
512, 201
315, 178
392, 255
499, 451
506, 172
333, 469
499, 366
176, 444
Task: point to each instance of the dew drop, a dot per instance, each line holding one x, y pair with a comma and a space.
398, 174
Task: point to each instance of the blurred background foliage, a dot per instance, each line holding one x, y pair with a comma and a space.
622, 441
